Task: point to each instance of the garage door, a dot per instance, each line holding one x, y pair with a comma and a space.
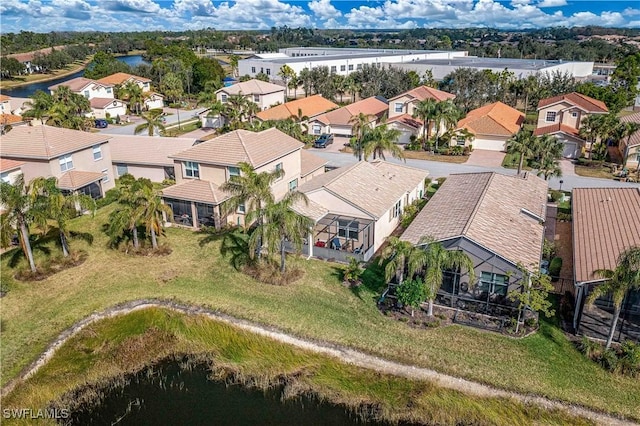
489, 144
570, 150
405, 137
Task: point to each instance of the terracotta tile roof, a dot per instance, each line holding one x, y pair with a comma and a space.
309, 162
406, 120
28, 56
605, 223
372, 187
582, 101
311, 209
7, 164
121, 77
556, 128
372, 106
145, 150
78, 84
103, 102
238, 146
196, 190
632, 118
489, 209
493, 119
310, 107
46, 142
252, 87
4, 98
425, 92
10, 118
75, 179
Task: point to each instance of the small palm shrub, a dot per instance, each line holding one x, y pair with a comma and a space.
351, 272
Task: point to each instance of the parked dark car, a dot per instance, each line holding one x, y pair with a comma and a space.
101, 123
324, 140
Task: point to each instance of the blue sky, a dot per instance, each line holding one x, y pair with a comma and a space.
138, 15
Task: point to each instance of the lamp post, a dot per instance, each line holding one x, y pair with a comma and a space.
561, 182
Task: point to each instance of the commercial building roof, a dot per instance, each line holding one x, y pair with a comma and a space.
238, 146
499, 212
501, 63
309, 107
144, 150
493, 119
605, 223
46, 142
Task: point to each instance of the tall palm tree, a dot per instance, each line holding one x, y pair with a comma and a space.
280, 224
521, 143
18, 205
124, 219
134, 95
591, 129
425, 111
233, 61
54, 205
382, 139
251, 190
361, 125
352, 86
620, 281
152, 122
433, 259
39, 106
294, 83
150, 209
547, 150
447, 114
396, 254
286, 73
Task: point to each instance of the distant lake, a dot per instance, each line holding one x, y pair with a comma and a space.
29, 89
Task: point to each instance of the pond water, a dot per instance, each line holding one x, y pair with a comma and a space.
29, 89
172, 395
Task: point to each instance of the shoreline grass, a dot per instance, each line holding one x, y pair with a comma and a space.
100, 356
317, 307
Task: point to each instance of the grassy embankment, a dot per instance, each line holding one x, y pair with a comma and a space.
34, 78
112, 347
318, 306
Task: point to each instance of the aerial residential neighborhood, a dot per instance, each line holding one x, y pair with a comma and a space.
380, 228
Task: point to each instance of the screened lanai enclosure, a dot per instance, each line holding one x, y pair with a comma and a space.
193, 214
339, 237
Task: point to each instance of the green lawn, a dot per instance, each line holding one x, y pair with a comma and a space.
511, 161
318, 307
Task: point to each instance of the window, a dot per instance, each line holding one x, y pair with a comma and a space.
253, 70
105, 175
97, 152
333, 69
343, 67
551, 117
4, 177
223, 97
108, 89
574, 114
316, 129
348, 229
397, 210
359, 67
350, 67
233, 171
256, 98
268, 71
241, 208
86, 94
460, 141
638, 158
397, 107
191, 169
279, 168
262, 70
121, 169
66, 163
293, 185
494, 283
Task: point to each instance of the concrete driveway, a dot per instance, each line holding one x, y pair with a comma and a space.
336, 146
485, 158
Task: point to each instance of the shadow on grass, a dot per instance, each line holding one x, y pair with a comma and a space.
211, 234
372, 282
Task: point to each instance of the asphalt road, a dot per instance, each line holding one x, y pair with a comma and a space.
439, 169
184, 115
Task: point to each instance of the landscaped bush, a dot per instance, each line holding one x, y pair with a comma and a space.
555, 266
555, 195
441, 180
111, 196
548, 249
624, 360
564, 217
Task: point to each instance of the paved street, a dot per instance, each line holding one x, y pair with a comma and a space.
183, 115
439, 169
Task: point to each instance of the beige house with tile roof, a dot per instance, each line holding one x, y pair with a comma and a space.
86, 87
492, 125
310, 106
357, 207
121, 78
561, 116
10, 169
497, 220
80, 160
145, 157
605, 223
338, 122
262, 93
630, 147
203, 168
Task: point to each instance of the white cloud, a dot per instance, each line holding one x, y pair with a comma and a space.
552, 3
144, 6
194, 7
324, 10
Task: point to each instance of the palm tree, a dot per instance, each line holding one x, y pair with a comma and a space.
425, 111
620, 281
124, 219
252, 191
18, 206
280, 224
396, 254
447, 114
233, 61
361, 124
382, 139
352, 86
54, 205
133, 94
294, 83
286, 73
433, 259
39, 106
150, 209
591, 129
626, 130
153, 122
547, 150
522, 144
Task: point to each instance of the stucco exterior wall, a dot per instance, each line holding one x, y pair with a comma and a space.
154, 173
291, 167
311, 175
